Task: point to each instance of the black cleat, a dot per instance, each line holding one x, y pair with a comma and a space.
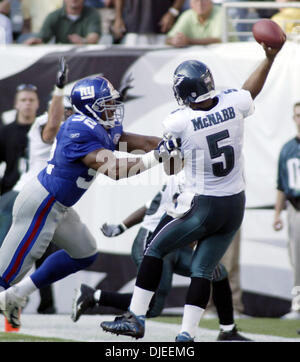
232, 335
127, 325
83, 299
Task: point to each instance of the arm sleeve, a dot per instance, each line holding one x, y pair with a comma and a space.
173, 124
244, 102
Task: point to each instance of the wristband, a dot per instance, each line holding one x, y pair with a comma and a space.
123, 226
174, 12
58, 92
149, 160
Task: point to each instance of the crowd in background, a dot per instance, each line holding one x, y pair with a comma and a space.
175, 23
131, 22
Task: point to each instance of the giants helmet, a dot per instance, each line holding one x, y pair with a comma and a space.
89, 97
193, 82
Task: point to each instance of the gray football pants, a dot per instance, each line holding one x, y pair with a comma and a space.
293, 217
38, 219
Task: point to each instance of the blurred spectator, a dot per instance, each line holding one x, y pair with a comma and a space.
106, 9
200, 25
186, 5
13, 137
5, 30
142, 22
287, 18
34, 13
12, 9
288, 196
5, 23
74, 23
5, 7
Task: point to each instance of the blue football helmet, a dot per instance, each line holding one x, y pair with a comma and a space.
193, 82
96, 97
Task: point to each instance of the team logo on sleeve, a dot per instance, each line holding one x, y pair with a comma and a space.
74, 135
87, 92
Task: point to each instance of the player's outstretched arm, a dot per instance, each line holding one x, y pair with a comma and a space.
104, 161
138, 143
134, 218
257, 79
56, 108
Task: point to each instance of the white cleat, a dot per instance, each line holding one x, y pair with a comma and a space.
11, 306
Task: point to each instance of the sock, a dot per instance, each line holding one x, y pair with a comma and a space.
149, 273
97, 295
191, 318
113, 299
140, 301
58, 266
222, 298
198, 292
25, 287
227, 327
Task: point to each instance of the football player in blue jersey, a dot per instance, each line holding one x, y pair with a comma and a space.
42, 211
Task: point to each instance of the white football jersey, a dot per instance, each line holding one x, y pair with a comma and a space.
212, 143
39, 151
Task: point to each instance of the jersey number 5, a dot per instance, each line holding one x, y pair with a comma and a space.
215, 151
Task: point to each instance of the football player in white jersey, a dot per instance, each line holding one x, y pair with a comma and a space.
212, 203
176, 262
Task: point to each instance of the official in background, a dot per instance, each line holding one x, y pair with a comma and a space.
288, 196
13, 137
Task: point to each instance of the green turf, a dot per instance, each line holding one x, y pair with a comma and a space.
267, 326
19, 337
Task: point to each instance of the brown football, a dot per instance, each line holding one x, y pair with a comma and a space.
268, 32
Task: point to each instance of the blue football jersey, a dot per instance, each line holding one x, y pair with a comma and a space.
288, 174
66, 177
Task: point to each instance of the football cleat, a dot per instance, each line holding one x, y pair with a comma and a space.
232, 335
83, 299
184, 337
127, 325
11, 306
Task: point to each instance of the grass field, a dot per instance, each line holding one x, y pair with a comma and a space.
20, 337
267, 326
60, 328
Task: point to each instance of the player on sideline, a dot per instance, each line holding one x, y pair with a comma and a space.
178, 262
84, 145
211, 206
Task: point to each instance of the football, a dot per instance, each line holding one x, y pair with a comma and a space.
268, 32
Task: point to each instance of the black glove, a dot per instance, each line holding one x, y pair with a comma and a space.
167, 147
62, 74
111, 230
124, 87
